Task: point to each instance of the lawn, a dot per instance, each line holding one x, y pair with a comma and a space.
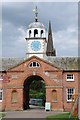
2, 115
64, 116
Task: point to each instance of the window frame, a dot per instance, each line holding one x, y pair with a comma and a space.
34, 66
1, 77
1, 91
69, 100
70, 79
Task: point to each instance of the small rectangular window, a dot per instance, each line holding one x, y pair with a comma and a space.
1, 95
34, 64
70, 92
70, 77
1, 77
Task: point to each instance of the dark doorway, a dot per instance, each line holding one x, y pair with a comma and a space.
34, 91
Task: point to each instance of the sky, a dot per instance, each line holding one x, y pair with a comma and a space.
16, 16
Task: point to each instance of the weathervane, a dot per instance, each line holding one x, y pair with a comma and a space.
36, 14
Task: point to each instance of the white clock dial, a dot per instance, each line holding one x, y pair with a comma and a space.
35, 45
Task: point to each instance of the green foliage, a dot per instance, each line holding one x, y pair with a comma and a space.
2, 115
37, 89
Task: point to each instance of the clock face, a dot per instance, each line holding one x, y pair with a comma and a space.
35, 45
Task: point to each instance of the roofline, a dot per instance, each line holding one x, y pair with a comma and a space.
27, 59
30, 59
71, 70
4, 71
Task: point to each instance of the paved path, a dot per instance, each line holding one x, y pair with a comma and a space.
30, 114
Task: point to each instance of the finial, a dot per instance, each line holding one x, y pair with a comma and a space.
36, 14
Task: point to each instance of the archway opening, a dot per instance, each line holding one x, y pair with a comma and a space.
42, 33
34, 92
35, 33
29, 33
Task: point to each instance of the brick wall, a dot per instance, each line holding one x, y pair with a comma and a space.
55, 79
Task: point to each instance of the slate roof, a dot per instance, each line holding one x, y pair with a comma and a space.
6, 63
65, 63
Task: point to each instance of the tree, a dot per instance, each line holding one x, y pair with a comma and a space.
37, 89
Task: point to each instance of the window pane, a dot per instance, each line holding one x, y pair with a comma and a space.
31, 65
37, 64
70, 91
69, 76
34, 64
1, 77
0, 95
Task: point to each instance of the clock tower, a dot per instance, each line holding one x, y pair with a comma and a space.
36, 38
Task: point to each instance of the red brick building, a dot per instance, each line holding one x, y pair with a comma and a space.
60, 83
61, 75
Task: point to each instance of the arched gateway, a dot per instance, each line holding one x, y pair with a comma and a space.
26, 89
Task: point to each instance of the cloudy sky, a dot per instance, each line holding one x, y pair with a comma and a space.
16, 16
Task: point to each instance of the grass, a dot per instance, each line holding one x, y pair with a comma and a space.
2, 115
64, 116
